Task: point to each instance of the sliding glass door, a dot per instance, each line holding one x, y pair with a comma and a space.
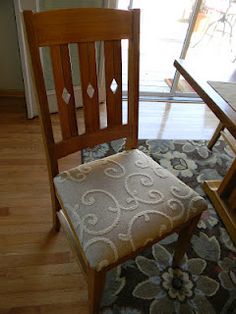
170, 29
213, 40
164, 27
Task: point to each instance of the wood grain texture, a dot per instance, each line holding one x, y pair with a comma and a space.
38, 273
59, 26
216, 135
89, 85
13, 93
221, 205
133, 82
229, 139
113, 71
91, 139
62, 72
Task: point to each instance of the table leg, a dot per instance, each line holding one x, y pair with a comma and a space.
222, 194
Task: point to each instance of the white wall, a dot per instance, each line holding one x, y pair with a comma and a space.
10, 64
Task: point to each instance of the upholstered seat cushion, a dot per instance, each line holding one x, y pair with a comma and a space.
119, 203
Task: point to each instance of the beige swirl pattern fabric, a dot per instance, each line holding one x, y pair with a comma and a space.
119, 203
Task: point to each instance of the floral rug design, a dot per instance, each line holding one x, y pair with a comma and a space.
205, 282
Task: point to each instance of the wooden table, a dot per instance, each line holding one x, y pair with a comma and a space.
222, 193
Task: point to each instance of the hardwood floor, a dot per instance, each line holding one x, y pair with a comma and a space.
176, 121
38, 274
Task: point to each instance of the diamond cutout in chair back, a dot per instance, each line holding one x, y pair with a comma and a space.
66, 96
114, 86
90, 90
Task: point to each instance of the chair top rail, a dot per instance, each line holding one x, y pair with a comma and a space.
81, 25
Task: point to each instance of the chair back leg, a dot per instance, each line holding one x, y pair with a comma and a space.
55, 209
184, 239
96, 282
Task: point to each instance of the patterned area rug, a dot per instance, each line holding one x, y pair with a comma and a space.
206, 280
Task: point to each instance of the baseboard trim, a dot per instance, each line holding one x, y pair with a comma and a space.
12, 93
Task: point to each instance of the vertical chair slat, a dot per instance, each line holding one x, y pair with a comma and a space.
88, 75
64, 90
113, 74
133, 81
66, 63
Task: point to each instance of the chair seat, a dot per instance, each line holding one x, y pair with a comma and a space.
119, 203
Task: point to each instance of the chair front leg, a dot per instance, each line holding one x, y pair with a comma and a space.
184, 239
96, 282
55, 209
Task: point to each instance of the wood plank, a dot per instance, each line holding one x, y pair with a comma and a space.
133, 82
13, 93
20, 226
61, 65
26, 259
40, 240
113, 71
227, 185
38, 270
88, 76
89, 140
216, 135
70, 25
63, 296
229, 140
4, 211
227, 215
58, 308
46, 282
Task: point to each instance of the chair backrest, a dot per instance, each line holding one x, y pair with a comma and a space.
57, 29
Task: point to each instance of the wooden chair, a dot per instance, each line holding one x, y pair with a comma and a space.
112, 208
216, 135
220, 131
